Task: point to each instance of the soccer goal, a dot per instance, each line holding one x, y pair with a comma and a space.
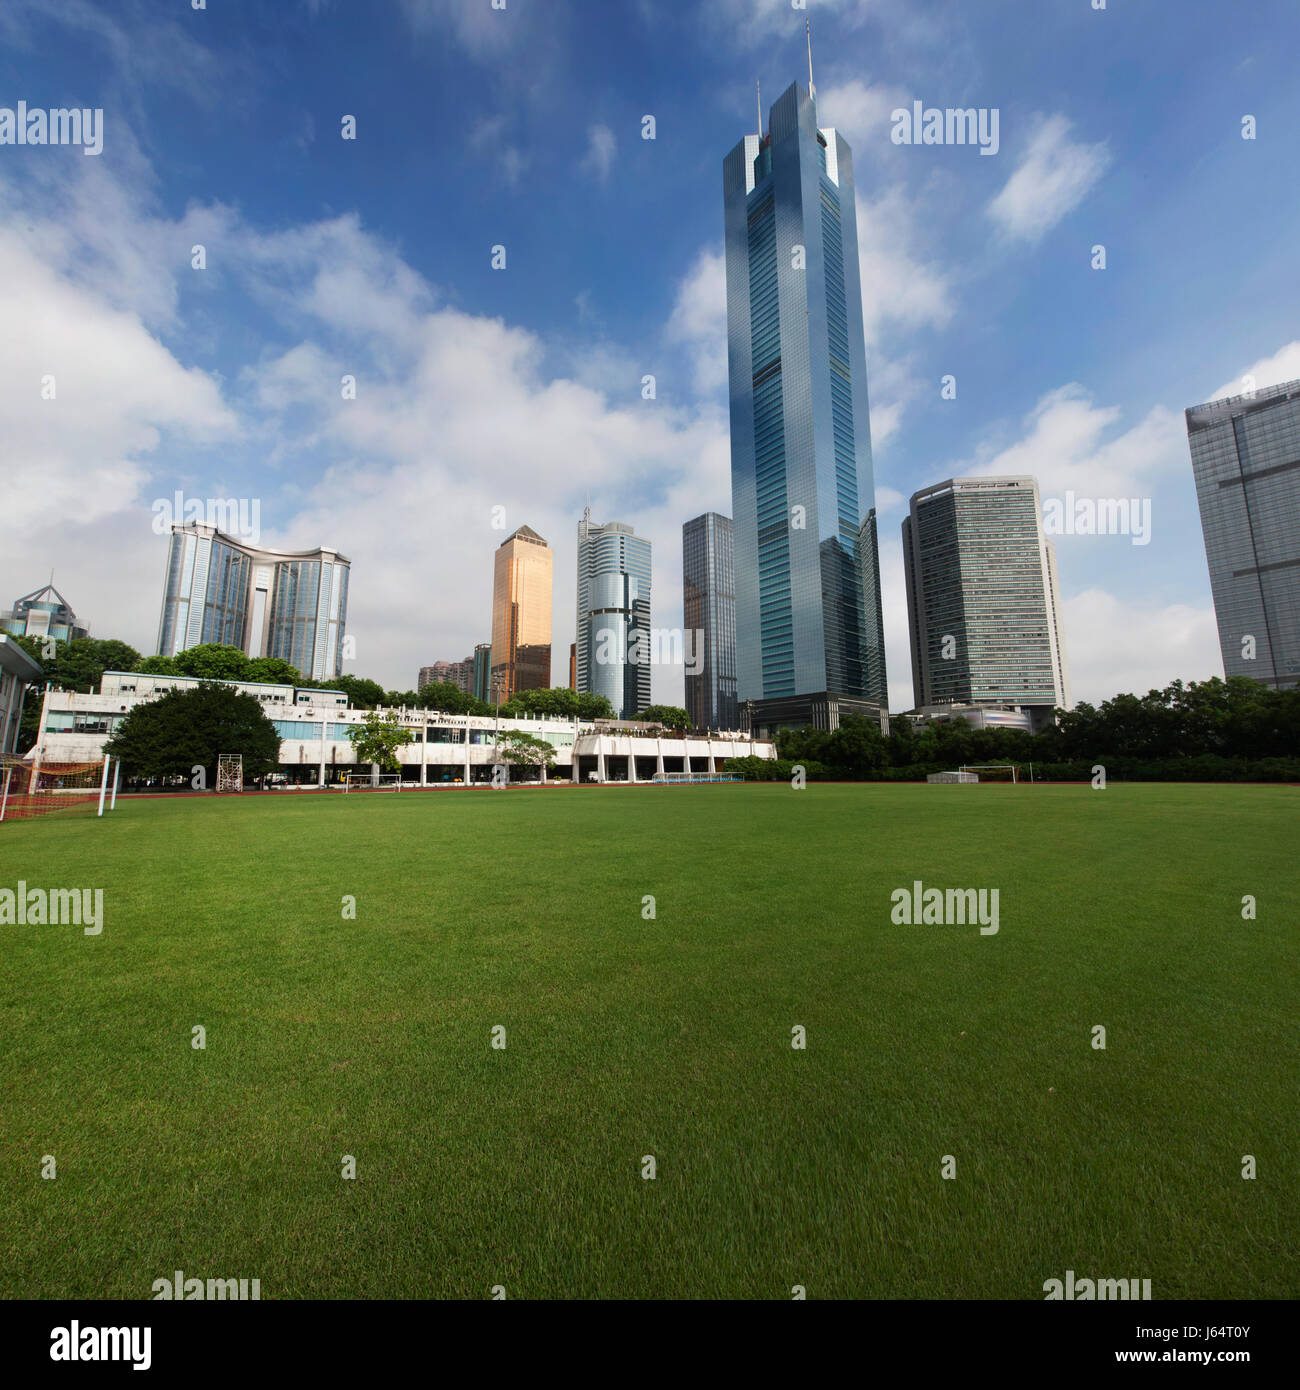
372, 781
993, 772
32, 789
230, 772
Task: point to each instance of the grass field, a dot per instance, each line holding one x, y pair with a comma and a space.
668, 1037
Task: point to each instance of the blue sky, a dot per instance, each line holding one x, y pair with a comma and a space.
521, 388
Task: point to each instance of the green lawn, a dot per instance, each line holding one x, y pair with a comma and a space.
671, 1037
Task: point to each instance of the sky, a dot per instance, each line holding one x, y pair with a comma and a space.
493, 396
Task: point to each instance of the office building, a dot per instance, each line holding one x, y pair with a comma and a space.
482, 671
983, 601
290, 604
43, 613
614, 642
1246, 460
521, 616
808, 643
709, 622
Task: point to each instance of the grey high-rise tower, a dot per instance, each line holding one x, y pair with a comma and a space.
1246, 458
709, 613
613, 647
983, 601
803, 492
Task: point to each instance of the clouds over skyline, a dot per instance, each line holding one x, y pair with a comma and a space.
477, 389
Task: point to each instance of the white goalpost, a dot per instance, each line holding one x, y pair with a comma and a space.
993, 772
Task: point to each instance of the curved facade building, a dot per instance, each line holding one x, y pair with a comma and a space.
282, 603
612, 656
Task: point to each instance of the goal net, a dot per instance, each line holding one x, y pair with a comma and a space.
372, 782
30, 789
230, 772
993, 772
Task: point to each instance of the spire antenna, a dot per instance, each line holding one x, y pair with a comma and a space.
807, 25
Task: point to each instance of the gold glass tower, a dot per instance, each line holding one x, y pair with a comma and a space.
521, 616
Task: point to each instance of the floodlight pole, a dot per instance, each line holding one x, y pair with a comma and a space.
103, 782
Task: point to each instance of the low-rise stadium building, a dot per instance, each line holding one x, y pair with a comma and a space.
447, 749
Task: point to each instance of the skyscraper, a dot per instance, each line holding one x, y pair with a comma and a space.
983, 603
482, 671
803, 492
1246, 459
613, 646
291, 604
521, 615
709, 620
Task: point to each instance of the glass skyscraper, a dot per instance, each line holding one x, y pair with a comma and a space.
614, 643
803, 492
709, 611
521, 615
282, 603
1246, 458
983, 602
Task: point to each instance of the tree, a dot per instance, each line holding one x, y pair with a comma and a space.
377, 740
156, 666
184, 729
449, 699
559, 702
272, 671
81, 663
515, 746
212, 662
667, 716
361, 693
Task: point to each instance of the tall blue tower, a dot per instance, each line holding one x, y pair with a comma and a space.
807, 572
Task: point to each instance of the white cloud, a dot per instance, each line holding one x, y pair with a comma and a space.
699, 320
1284, 365
860, 112
480, 29
1065, 448
1054, 176
489, 138
898, 289
601, 148
1119, 646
